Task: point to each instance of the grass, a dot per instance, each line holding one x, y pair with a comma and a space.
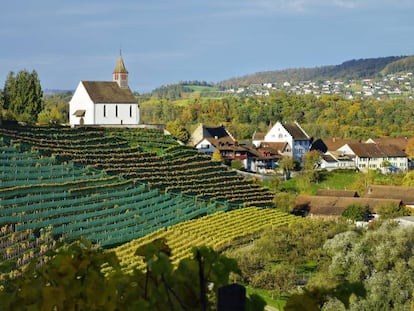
278, 303
338, 180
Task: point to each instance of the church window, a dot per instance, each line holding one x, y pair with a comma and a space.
104, 110
130, 111
116, 111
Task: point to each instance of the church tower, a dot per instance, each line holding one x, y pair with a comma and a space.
120, 74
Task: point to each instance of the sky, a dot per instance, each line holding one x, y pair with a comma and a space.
167, 41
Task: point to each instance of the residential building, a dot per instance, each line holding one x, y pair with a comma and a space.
387, 158
297, 139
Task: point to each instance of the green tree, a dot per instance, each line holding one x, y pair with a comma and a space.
287, 164
23, 95
381, 259
310, 165
356, 212
178, 131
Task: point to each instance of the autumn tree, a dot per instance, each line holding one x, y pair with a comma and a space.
410, 148
216, 156
178, 131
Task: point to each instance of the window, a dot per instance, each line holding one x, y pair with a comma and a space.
130, 111
104, 110
116, 111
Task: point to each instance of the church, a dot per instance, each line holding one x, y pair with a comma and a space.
105, 102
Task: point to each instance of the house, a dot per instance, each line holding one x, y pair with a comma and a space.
374, 156
207, 139
298, 142
265, 158
333, 160
105, 102
403, 193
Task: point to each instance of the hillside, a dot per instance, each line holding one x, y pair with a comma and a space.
352, 69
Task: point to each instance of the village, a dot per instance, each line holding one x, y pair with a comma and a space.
391, 85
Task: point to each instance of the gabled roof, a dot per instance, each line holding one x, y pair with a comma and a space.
405, 194
363, 150
295, 131
273, 146
217, 132
400, 142
108, 92
333, 144
258, 135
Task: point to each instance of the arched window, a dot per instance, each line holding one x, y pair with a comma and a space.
130, 111
104, 110
116, 111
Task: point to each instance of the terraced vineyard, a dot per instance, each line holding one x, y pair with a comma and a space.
178, 169
217, 231
111, 187
43, 200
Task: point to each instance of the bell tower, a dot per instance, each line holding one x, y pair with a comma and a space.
120, 74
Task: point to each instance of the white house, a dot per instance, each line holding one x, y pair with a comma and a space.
207, 139
292, 133
105, 102
376, 156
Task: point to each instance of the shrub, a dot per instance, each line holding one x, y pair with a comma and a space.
356, 212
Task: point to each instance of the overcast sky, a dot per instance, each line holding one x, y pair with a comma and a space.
166, 41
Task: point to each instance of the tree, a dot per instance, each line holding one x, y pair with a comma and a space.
310, 165
216, 156
410, 148
356, 212
23, 95
178, 131
380, 260
287, 164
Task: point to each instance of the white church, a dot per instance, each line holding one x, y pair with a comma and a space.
105, 102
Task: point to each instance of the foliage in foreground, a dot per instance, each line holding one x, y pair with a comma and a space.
73, 280
285, 256
371, 271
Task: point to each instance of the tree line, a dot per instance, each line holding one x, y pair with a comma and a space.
327, 116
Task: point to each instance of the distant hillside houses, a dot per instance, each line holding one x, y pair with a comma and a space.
391, 85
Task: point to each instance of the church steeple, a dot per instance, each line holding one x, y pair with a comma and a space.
120, 74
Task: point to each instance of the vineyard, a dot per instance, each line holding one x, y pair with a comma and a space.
174, 168
113, 186
218, 231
